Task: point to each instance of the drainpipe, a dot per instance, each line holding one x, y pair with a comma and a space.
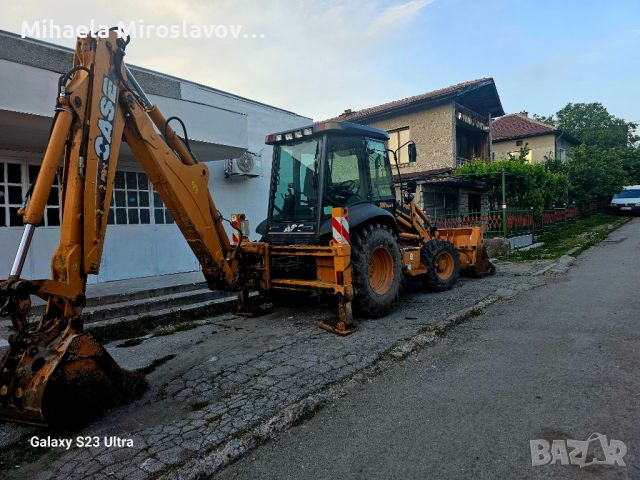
490, 140
504, 205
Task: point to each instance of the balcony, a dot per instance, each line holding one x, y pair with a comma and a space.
471, 118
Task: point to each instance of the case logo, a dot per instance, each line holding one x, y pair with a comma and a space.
102, 144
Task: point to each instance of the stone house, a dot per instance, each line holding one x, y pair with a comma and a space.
512, 132
450, 127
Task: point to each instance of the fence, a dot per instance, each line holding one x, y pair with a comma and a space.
519, 221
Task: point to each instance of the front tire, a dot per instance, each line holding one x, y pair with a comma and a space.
377, 270
443, 265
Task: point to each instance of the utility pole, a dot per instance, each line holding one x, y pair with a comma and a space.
504, 205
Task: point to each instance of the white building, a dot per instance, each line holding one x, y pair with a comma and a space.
141, 239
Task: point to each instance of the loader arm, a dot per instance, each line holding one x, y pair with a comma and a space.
416, 229
54, 373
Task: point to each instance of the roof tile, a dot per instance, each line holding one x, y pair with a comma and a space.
518, 125
433, 95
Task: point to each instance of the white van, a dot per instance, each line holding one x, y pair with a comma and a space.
628, 200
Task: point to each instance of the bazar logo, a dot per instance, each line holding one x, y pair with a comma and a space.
595, 450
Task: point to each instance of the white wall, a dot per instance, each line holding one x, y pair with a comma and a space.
145, 250
27, 89
245, 195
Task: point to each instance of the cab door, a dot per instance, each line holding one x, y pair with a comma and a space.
381, 187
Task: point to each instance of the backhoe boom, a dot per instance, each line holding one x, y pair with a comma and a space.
99, 104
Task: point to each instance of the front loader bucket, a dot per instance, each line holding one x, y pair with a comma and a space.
63, 384
482, 265
469, 242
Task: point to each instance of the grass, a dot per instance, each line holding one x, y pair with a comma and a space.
130, 343
214, 418
577, 236
139, 327
155, 364
181, 327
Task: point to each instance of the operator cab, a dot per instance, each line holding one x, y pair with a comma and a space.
326, 165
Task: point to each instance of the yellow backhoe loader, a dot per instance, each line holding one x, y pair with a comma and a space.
334, 226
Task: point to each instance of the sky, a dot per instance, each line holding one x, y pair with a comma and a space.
320, 57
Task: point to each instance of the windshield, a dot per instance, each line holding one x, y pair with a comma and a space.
295, 182
635, 193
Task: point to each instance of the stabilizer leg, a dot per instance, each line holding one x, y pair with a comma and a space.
248, 308
342, 324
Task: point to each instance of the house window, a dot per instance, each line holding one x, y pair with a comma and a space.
474, 202
399, 137
518, 143
439, 203
11, 188
562, 154
516, 154
15, 179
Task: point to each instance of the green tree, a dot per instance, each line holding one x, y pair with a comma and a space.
527, 185
522, 155
595, 172
593, 125
630, 163
548, 119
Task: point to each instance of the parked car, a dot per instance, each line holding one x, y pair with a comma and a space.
627, 201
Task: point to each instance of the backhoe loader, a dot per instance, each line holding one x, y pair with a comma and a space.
334, 227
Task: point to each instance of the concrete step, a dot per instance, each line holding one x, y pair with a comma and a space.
132, 296
184, 313
179, 307
147, 306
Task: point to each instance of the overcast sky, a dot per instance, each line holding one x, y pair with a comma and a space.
317, 58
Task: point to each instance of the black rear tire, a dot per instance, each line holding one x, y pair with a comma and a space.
443, 265
377, 270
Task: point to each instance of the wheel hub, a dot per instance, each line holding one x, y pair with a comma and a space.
380, 271
444, 265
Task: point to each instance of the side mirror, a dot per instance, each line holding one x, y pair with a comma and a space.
412, 186
413, 153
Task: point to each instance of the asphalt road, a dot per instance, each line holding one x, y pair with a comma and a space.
558, 362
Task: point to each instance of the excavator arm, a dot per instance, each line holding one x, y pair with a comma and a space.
54, 373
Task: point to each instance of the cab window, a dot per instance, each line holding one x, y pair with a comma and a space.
380, 171
344, 184
294, 186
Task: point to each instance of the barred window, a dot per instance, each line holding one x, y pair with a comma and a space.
135, 201
15, 179
52, 210
160, 213
130, 202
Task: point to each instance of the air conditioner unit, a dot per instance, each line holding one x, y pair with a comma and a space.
249, 164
